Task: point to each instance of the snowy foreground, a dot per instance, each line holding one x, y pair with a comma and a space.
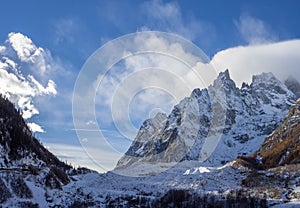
196, 187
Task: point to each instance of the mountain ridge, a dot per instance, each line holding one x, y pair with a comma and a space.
218, 114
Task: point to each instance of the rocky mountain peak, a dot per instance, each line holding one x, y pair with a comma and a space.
224, 126
271, 91
224, 75
267, 82
224, 81
267, 77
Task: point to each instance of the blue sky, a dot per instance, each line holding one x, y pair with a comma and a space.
83, 27
70, 31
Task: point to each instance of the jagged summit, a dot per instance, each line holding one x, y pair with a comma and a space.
265, 77
233, 124
224, 75
272, 92
269, 83
224, 81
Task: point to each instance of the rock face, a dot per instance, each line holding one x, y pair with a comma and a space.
282, 147
214, 125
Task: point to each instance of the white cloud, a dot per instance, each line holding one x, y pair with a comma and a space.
28, 109
24, 70
64, 30
28, 52
35, 127
133, 87
253, 30
23, 46
48, 90
168, 17
167, 13
281, 58
30, 58
13, 83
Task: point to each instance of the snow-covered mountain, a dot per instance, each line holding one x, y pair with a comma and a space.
213, 125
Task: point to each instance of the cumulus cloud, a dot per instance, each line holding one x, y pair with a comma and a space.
253, 30
33, 58
24, 47
23, 74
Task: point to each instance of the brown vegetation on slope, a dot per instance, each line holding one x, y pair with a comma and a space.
282, 147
